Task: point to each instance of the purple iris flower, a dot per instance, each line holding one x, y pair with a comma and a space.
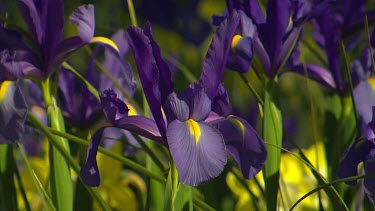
45, 20
362, 150
336, 22
198, 148
269, 38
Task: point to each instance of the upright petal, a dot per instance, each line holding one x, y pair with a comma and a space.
200, 105
30, 11
165, 81
177, 108
272, 35
220, 103
84, 17
217, 54
197, 149
116, 65
149, 73
13, 110
244, 144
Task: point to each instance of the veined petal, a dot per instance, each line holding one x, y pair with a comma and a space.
90, 171
13, 110
177, 108
220, 103
359, 151
216, 58
244, 144
197, 149
364, 97
84, 17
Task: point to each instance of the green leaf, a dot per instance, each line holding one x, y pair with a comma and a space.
183, 196
8, 195
272, 133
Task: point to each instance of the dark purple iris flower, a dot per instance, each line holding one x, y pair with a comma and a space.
269, 38
198, 148
45, 20
332, 25
362, 150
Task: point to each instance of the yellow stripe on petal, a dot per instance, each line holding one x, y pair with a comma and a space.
194, 129
235, 40
105, 41
240, 126
3, 89
132, 111
372, 82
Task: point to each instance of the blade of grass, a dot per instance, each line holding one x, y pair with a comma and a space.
47, 202
22, 190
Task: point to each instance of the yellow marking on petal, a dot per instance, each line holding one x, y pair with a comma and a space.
235, 40
132, 111
105, 41
372, 82
194, 129
3, 89
240, 126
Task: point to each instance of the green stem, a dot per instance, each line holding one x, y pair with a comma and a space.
174, 175
8, 195
61, 183
58, 145
133, 18
148, 150
123, 160
252, 90
22, 190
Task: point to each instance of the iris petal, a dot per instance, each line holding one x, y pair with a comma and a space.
197, 161
364, 97
90, 171
84, 17
113, 107
242, 141
178, 108
200, 106
13, 110
358, 152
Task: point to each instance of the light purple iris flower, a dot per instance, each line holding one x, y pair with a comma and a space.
198, 149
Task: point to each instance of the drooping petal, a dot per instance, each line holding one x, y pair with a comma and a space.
149, 73
364, 97
317, 73
177, 109
11, 40
244, 144
369, 183
359, 151
114, 108
13, 110
84, 17
140, 125
216, 58
197, 149
90, 171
